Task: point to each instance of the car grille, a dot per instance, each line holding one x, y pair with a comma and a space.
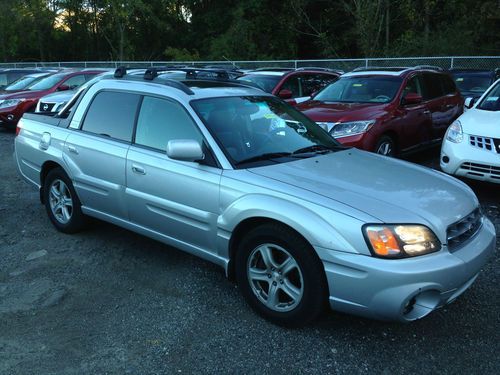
481, 170
486, 143
46, 107
464, 229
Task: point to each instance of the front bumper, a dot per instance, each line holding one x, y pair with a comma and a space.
469, 161
404, 289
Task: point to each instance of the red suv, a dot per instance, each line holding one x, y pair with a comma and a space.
388, 110
14, 105
292, 85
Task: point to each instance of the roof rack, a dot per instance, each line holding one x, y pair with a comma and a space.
150, 75
433, 67
321, 69
275, 69
380, 68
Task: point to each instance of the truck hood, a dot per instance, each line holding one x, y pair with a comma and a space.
341, 112
480, 122
389, 190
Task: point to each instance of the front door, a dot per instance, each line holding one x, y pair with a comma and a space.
177, 199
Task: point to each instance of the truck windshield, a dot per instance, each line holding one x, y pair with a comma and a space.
258, 130
361, 89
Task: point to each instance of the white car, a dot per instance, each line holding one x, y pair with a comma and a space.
471, 147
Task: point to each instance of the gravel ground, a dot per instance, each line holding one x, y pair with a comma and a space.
108, 301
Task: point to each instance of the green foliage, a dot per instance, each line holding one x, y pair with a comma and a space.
66, 30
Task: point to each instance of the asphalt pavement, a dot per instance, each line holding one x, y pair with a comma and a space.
108, 301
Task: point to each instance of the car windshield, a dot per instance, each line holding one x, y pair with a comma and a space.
491, 102
257, 130
24, 82
265, 82
47, 82
474, 83
364, 89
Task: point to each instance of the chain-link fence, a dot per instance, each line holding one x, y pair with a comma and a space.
470, 62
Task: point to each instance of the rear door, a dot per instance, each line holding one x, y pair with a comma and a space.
177, 199
436, 103
96, 153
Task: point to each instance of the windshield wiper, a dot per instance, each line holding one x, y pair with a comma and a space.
318, 149
267, 156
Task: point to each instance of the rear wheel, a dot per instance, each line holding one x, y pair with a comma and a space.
62, 203
386, 146
280, 275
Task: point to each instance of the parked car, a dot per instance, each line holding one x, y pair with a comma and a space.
292, 85
24, 82
13, 106
242, 179
7, 76
471, 147
474, 82
387, 111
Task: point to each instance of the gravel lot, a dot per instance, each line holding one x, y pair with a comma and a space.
108, 301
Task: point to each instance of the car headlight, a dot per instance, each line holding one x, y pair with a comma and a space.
326, 125
400, 241
455, 133
344, 129
10, 102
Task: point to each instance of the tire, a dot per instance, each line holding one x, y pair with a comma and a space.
386, 146
62, 203
304, 280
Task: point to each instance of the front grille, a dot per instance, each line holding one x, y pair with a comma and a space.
486, 143
464, 229
46, 107
482, 170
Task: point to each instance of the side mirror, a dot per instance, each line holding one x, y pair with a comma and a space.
469, 102
63, 88
285, 94
412, 98
185, 150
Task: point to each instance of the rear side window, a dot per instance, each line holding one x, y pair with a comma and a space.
112, 114
432, 86
163, 120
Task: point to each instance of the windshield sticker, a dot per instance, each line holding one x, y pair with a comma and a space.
492, 99
357, 85
270, 116
459, 79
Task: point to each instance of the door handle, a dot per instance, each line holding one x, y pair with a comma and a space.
426, 112
73, 150
138, 169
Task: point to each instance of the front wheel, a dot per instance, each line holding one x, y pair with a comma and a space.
281, 276
61, 202
386, 146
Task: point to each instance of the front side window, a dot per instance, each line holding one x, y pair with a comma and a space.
433, 88
491, 102
312, 83
112, 114
413, 86
74, 81
163, 120
265, 82
293, 85
256, 130
361, 89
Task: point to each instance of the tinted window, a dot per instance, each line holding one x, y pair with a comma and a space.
292, 84
74, 81
432, 86
161, 121
112, 114
312, 83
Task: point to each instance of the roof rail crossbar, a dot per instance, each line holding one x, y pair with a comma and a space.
120, 72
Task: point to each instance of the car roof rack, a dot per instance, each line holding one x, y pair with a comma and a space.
321, 69
380, 69
432, 67
273, 69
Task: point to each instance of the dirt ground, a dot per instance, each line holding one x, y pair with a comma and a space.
108, 301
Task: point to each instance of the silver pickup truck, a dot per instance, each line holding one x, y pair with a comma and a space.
240, 178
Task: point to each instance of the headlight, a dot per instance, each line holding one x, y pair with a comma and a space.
10, 102
345, 129
455, 133
400, 241
326, 125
